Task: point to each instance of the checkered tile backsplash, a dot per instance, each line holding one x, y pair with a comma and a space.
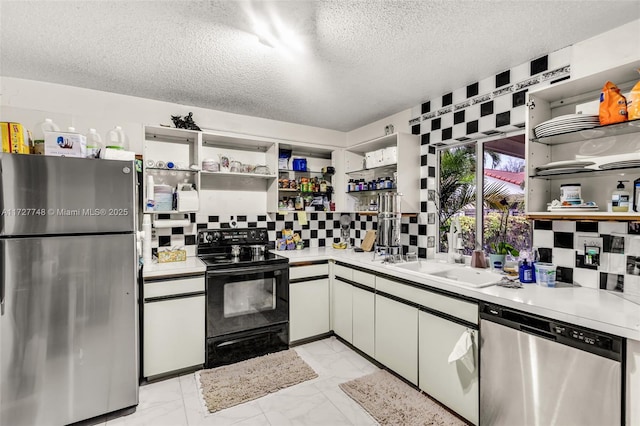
322, 229
618, 266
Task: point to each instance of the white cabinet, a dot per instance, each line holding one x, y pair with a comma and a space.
451, 384
173, 331
342, 309
604, 143
246, 181
168, 157
309, 307
363, 306
396, 337
406, 168
297, 189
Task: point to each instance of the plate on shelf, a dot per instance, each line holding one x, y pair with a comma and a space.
620, 165
574, 208
565, 164
557, 130
562, 170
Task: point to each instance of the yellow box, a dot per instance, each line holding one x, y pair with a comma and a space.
13, 138
172, 256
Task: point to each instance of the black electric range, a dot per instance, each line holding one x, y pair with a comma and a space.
247, 295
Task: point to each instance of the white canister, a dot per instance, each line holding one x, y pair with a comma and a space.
570, 193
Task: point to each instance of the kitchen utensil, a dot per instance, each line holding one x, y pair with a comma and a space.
345, 223
210, 165
261, 170
257, 251
369, 240
235, 251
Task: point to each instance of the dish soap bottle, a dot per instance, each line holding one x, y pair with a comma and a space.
620, 198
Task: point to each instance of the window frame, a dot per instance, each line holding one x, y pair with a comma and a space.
479, 148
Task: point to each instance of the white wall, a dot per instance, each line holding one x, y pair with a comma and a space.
374, 130
29, 102
607, 50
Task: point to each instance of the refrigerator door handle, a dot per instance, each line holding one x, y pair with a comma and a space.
2, 272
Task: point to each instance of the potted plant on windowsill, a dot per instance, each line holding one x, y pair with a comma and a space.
501, 248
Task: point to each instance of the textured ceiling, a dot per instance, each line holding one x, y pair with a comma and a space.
358, 61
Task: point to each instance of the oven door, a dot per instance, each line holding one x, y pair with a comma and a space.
240, 299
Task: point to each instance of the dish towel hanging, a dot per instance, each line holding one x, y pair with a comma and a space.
463, 351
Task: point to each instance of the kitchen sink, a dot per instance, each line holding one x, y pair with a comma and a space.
470, 277
423, 267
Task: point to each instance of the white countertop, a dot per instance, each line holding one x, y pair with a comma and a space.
192, 265
597, 309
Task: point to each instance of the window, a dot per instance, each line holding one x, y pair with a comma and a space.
503, 193
501, 211
457, 194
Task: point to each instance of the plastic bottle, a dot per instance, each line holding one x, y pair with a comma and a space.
150, 202
46, 126
146, 241
94, 144
116, 139
620, 198
525, 272
535, 258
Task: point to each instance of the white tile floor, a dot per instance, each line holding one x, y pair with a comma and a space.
176, 401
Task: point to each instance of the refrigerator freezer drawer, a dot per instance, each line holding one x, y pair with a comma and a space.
59, 195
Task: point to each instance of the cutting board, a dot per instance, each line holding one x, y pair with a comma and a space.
369, 240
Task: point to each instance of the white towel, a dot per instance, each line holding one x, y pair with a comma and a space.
463, 351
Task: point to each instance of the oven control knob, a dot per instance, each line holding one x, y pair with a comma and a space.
252, 235
263, 236
215, 237
208, 237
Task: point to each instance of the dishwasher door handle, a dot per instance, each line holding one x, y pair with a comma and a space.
537, 332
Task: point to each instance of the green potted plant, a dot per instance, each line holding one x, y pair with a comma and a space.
501, 248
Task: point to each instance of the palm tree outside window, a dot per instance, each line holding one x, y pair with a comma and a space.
501, 209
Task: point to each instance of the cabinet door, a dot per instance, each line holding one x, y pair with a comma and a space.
174, 334
451, 384
364, 321
308, 308
342, 309
396, 337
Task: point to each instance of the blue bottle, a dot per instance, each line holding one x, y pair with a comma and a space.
525, 272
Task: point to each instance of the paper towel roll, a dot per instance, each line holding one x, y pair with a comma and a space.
463, 351
171, 223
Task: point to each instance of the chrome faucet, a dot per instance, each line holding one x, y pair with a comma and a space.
455, 241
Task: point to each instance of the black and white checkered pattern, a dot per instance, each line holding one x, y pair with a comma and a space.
322, 229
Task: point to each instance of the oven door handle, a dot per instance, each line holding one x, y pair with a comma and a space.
276, 269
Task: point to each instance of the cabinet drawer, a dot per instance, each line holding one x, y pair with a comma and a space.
364, 278
316, 270
174, 335
466, 311
343, 272
172, 287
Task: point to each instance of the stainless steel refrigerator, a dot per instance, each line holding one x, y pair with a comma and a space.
68, 266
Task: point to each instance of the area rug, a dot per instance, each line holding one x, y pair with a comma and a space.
230, 385
392, 402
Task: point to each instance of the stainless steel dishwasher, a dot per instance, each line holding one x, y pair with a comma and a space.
537, 371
